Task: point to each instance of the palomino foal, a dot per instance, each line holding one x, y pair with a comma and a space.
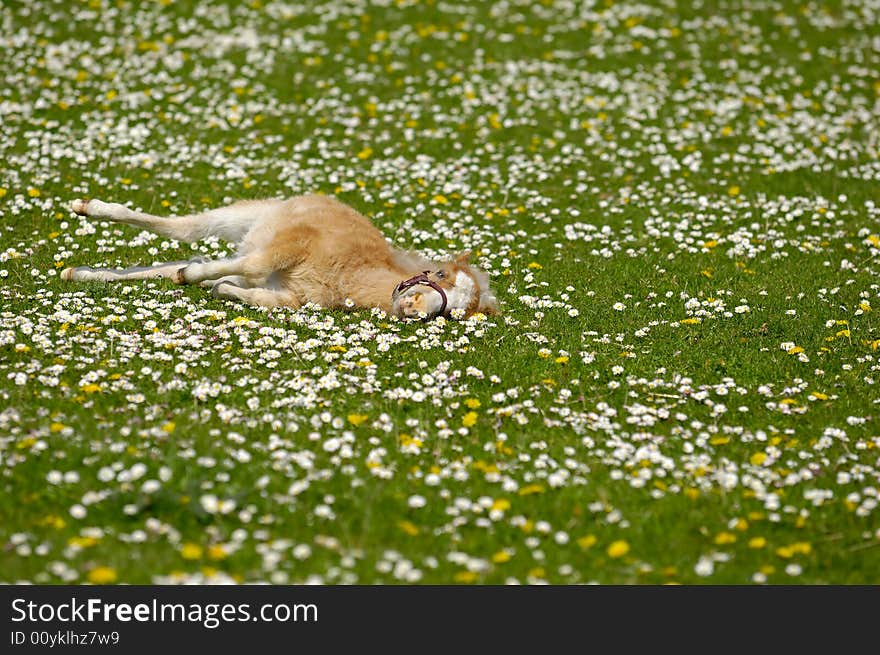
304, 249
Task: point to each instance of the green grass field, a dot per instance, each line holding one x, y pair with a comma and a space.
677, 204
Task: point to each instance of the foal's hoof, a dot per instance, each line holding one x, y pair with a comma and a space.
80, 207
67, 274
217, 290
179, 277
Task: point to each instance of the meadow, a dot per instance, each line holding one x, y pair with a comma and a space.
677, 204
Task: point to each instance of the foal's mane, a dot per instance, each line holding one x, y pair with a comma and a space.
411, 261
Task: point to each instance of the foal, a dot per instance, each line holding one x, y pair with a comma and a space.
304, 249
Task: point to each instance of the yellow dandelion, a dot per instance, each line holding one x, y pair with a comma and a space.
530, 489
618, 549
410, 528
501, 505
191, 551
466, 577
102, 575
501, 556
587, 541
217, 552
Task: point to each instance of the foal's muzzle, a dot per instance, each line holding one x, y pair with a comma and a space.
421, 279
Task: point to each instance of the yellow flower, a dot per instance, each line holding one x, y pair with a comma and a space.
587, 541
169, 427
472, 403
501, 505
91, 388
531, 489
562, 360
191, 551
758, 458
357, 419
501, 556
618, 549
217, 552
794, 351
723, 538
469, 419
440, 200
535, 265
54, 521
33, 193
365, 153
408, 527
465, 576
785, 552
56, 427
757, 542
733, 191
102, 575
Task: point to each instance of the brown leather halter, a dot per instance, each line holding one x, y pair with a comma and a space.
422, 279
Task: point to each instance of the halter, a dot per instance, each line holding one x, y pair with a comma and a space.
423, 279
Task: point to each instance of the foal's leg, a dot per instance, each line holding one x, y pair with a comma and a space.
212, 271
87, 273
231, 223
257, 296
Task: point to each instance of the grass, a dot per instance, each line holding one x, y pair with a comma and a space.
677, 208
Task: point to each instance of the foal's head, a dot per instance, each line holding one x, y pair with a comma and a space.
464, 287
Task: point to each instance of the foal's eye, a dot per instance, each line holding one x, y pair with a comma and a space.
441, 274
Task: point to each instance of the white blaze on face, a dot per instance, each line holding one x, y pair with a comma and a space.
461, 295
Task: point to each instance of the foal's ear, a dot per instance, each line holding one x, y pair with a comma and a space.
463, 258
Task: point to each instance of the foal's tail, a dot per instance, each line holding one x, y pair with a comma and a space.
230, 223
